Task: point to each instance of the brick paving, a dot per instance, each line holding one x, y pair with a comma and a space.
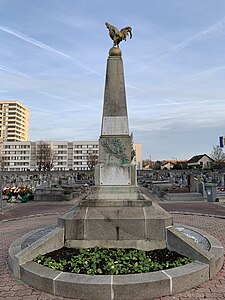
200, 207
13, 289
20, 210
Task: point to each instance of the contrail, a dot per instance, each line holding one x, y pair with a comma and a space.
33, 41
197, 36
45, 47
13, 71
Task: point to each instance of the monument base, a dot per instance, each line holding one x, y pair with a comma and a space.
119, 222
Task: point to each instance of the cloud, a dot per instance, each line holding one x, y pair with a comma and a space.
204, 73
3, 91
195, 37
190, 77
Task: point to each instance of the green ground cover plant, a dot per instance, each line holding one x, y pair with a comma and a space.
101, 261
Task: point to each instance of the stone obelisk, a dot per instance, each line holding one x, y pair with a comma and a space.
115, 213
115, 144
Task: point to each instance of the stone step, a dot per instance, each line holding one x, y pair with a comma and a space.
114, 203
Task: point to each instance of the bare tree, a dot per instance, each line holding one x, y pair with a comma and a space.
92, 160
157, 165
44, 156
218, 156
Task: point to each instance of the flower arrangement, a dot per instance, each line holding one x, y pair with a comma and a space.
17, 190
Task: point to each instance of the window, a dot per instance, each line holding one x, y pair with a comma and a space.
62, 146
78, 152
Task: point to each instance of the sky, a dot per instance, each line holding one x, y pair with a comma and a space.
53, 57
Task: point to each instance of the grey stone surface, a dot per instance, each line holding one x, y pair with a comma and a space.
177, 241
49, 194
73, 223
155, 229
212, 240
115, 125
117, 223
51, 241
197, 237
127, 223
84, 286
36, 236
157, 219
183, 197
115, 192
115, 203
13, 263
115, 175
141, 286
39, 277
136, 244
188, 276
100, 229
14, 249
122, 287
115, 143
115, 96
74, 228
215, 253
216, 262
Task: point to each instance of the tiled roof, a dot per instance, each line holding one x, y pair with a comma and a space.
196, 158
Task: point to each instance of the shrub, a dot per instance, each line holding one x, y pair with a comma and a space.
96, 261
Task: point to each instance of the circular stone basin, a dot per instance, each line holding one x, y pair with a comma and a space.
204, 248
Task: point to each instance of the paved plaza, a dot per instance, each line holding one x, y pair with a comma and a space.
21, 218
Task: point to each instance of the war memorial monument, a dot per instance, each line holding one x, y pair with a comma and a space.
115, 214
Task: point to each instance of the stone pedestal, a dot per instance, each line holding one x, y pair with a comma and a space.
120, 226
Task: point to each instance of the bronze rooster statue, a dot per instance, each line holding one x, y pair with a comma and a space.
118, 35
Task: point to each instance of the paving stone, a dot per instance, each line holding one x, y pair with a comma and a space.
7, 293
30, 297
25, 292
18, 287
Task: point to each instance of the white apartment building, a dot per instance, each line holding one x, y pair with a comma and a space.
15, 156
22, 156
14, 121
76, 155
